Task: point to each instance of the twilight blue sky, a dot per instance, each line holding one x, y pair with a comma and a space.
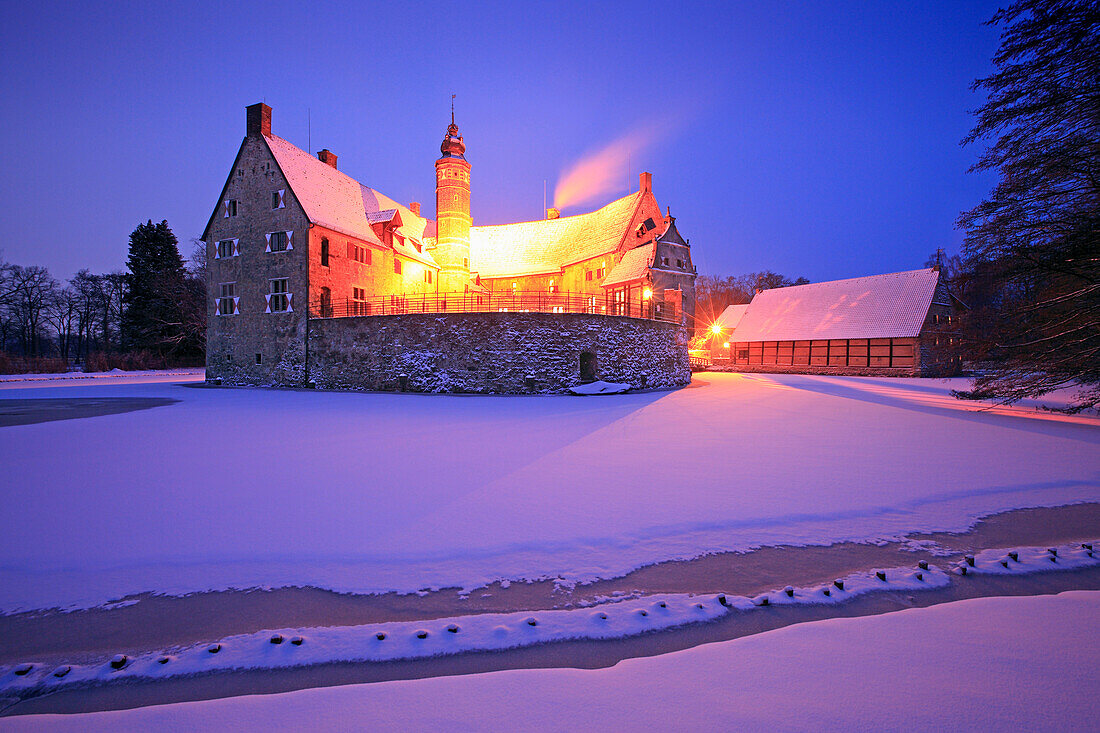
816, 139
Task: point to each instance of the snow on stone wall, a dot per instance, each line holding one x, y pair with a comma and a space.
493, 352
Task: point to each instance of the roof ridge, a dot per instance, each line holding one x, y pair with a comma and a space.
560, 218
788, 288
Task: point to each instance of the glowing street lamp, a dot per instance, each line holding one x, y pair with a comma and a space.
716, 329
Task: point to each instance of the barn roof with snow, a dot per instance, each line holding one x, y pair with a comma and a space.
894, 305
547, 245
731, 316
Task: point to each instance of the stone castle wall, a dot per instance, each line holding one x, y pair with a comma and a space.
478, 352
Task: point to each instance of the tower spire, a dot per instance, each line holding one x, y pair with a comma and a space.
452, 109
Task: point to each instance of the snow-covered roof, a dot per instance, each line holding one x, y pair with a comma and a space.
731, 316
547, 245
632, 266
337, 201
879, 306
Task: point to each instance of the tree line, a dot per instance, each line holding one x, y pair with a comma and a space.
713, 293
153, 314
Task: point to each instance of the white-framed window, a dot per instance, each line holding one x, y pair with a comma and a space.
280, 241
227, 248
279, 299
278, 199
228, 300
358, 305
230, 208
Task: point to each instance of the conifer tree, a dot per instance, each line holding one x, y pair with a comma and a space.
1035, 241
152, 316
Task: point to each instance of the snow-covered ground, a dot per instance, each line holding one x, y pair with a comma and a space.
1019, 663
376, 492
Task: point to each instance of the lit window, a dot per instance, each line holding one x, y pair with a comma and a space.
278, 300
358, 307
227, 300
553, 287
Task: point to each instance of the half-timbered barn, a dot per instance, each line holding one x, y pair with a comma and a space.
886, 325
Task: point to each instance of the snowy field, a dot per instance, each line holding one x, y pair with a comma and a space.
375, 492
1019, 663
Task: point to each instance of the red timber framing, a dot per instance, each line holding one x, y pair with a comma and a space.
883, 353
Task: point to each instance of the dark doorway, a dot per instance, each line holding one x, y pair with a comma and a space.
588, 366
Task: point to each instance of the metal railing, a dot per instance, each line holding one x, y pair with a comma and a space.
502, 302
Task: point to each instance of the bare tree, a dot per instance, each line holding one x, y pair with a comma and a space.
34, 293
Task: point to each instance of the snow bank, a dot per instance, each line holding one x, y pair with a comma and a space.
366, 493
1017, 663
488, 632
600, 387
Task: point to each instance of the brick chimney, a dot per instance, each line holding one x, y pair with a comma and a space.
259, 119
327, 157
645, 182
553, 213
414, 207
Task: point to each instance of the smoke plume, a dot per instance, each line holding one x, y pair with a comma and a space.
606, 170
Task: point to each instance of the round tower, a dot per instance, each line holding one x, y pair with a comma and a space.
452, 213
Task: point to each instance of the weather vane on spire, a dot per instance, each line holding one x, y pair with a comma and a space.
452, 109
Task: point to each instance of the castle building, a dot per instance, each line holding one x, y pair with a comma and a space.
292, 238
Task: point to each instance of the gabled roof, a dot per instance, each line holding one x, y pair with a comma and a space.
731, 317
337, 201
880, 306
632, 266
547, 245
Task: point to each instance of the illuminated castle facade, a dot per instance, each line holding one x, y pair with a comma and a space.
291, 232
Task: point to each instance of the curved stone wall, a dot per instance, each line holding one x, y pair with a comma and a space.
489, 352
